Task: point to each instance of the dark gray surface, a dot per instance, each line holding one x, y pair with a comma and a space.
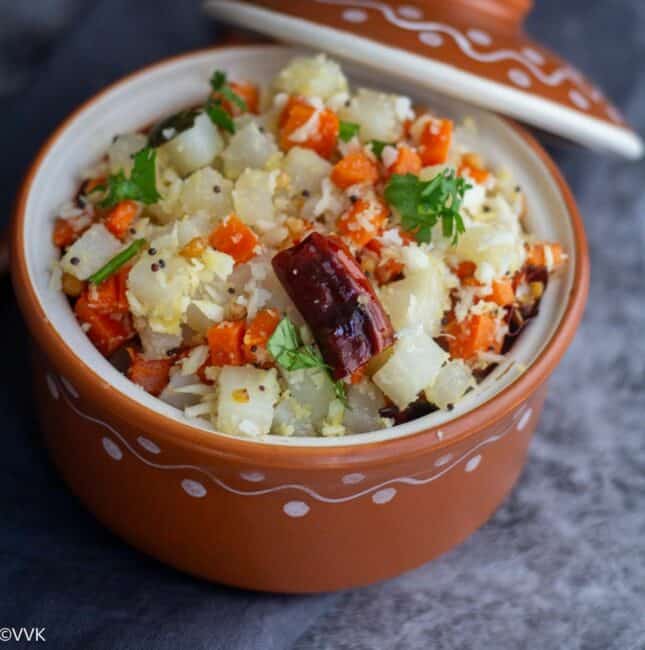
560, 566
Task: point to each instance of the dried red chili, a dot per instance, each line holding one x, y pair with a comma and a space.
336, 300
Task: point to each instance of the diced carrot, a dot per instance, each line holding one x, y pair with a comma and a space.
353, 169
546, 254
121, 216
435, 141
296, 114
357, 376
465, 269
473, 166
476, 333
470, 281
233, 237
388, 271
257, 336
225, 342
477, 174
407, 162
108, 332
109, 297
64, 233
363, 221
502, 292
152, 375
244, 90
374, 245
67, 231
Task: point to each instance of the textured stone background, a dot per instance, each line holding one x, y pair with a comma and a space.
560, 566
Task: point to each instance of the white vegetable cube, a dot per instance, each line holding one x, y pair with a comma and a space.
249, 147
365, 400
474, 197
306, 169
414, 365
253, 197
246, 400
313, 391
162, 296
380, 116
90, 252
195, 147
220, 264
207, 191
291, 419
491, 244
420, 298
451, 383
312, 77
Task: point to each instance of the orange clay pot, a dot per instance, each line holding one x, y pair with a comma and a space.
277, 515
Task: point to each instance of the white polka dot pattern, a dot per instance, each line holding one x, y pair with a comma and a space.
473, 463
295, 509
111, 448
384, 496
193, 488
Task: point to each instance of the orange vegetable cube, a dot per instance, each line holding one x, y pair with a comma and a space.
64, 233
435, 141
476, 333
353, 169
233, 237
245, 91
108, 332
225, 342
477, 174
152, 375
465, 270
363, 221
546, 254
388, 271
249, 93
109, 297
121, 216
502, 292
257, 336
407, 162
296, 114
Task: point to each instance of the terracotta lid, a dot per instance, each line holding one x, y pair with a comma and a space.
475, 50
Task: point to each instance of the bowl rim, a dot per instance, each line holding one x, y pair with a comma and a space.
255, 452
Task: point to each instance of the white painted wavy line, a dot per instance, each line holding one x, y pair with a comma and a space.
409, 480
553, 79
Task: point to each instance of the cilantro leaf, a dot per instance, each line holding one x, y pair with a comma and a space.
347, 130
422, 204
141, 186
378, 146
220, 85
220, 116
288, 350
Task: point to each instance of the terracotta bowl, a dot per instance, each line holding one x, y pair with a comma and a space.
279, 514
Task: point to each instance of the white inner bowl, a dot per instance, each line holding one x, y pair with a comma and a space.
168, 87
